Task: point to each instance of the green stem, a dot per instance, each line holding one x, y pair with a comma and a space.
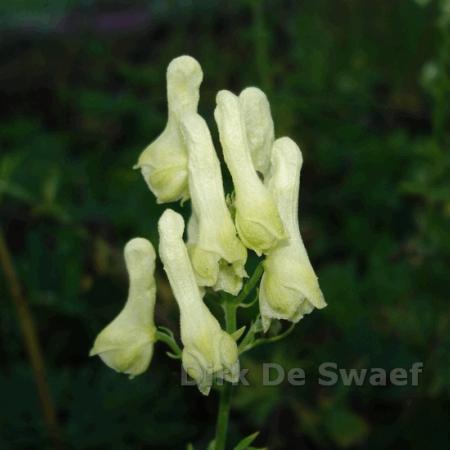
230, 317
250, 285
170, 342
270, 340
223, 414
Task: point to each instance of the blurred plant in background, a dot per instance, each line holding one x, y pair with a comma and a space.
351, 82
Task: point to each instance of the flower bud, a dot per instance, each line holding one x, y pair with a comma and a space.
258, 126
257, 220
164, 162
289, 287
208, 350
126, 344
217, 255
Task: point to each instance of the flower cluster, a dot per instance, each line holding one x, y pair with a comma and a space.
261, 215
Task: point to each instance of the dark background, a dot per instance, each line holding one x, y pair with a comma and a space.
362, 86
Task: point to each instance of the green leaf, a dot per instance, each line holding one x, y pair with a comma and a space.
244, 444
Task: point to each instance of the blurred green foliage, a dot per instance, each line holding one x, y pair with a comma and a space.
363, 87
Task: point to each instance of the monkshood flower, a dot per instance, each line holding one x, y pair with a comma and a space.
208, 350
257, 219
289, 287
259, 127
164, 162
217, 255
126, 344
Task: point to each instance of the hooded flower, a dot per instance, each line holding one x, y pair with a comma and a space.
289, 287
218, 256
164, 162
257, 220
208, 350
259, 127
126, 344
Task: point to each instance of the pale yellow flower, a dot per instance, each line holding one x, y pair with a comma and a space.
164, 162
218, 256
257, 219
126, 344
289, 287
208, 350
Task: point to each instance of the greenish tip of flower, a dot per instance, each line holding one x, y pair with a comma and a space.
260, 231
230, 278
125, 350
205, 264
223, 269
168, 183
214, 356
285, 302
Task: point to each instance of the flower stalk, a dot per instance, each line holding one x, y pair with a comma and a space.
223, 414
